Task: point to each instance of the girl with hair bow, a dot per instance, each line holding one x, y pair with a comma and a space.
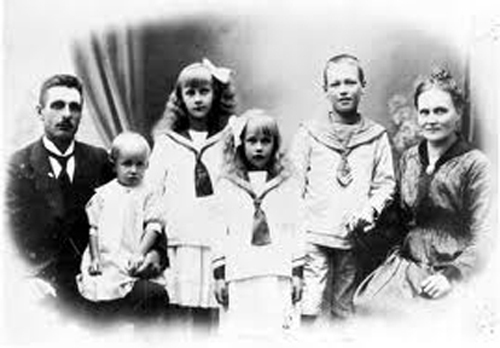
258, 262
186, 161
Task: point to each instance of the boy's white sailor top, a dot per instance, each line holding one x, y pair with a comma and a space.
316, 155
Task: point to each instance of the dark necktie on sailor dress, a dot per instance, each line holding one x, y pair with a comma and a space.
260, 227
203, 184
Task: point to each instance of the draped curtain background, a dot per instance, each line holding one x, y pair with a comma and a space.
129, 71
111, 67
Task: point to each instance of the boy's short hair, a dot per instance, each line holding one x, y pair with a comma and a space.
344, 57
127, 138
63, 80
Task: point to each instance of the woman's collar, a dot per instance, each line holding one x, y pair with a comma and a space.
459, 147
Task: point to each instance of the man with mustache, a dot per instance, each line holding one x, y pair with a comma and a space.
49, 184
344, 162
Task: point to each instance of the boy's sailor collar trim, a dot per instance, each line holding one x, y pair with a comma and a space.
321, 130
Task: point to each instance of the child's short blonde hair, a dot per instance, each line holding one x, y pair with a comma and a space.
128, 139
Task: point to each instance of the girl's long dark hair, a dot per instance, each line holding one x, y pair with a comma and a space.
175, 115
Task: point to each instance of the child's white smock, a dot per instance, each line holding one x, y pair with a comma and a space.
118, 215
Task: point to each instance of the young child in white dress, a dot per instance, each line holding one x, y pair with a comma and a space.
258, 262
125, 223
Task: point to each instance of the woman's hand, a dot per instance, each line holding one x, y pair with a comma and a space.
435, 286
221, 294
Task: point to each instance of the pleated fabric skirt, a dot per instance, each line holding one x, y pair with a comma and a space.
189, 278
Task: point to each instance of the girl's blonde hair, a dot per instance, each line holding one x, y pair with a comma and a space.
235, 161
175, 114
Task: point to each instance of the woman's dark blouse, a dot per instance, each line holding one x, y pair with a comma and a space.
446, 211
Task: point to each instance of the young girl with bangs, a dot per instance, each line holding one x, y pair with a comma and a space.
258, 262
186, 160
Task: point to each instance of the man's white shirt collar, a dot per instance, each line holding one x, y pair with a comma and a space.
49, 145
56, 167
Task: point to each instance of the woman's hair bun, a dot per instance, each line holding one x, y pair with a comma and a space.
441, 74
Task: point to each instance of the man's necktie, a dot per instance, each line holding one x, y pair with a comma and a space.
63, 177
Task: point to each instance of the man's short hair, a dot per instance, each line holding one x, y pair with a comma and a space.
344, 57
64, 80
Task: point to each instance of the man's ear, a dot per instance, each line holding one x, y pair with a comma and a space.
38, 109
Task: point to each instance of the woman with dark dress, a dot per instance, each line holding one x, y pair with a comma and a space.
445, 198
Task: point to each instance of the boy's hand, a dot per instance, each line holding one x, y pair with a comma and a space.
363, 219
135, 263
435, 286
95, 268
297, 286
221, 294
150, 268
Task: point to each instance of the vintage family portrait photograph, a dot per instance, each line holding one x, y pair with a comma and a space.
194, 173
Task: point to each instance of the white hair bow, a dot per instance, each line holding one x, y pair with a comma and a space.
221, 74
236, 125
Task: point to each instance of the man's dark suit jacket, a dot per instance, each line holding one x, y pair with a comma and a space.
50, 233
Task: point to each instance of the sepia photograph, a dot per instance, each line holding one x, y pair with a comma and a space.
195, 173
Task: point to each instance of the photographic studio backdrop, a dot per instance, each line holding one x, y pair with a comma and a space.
129, 52
129, 61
